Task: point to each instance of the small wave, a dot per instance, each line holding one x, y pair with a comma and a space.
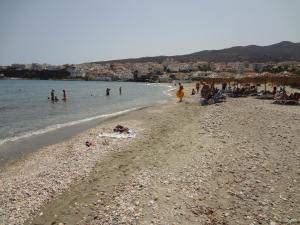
168, 92
58, 126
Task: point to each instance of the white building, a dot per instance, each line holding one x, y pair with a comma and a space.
237, 66
75, 72
124, 75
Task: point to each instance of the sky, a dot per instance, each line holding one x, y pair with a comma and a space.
77, 31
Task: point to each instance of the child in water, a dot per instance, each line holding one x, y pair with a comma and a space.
180, 93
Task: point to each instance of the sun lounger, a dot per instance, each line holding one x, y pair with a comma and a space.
265, 96
286, 102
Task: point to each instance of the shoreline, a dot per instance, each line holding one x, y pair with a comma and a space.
12, 151
16, 147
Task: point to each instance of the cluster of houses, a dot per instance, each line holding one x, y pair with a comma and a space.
164, 71
169, 69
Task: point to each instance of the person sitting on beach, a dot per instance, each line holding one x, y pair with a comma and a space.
206, 92
193, 92
296, 96
180, 93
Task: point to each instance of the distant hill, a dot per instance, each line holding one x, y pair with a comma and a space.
283, 51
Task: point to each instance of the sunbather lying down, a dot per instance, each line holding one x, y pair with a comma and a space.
283, 96
284, 99
120, 129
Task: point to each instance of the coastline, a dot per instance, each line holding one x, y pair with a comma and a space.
187, 164
15, 147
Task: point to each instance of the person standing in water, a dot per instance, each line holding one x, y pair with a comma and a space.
52, 95
120, 90
107, 91
64, 95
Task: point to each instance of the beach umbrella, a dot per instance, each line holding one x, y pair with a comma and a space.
274, 78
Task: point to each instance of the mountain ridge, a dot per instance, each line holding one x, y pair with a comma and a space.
282, 51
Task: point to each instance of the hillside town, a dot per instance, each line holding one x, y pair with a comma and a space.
164, 71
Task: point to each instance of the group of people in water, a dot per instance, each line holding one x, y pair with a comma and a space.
54, 98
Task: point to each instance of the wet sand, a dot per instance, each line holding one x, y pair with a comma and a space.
231, 163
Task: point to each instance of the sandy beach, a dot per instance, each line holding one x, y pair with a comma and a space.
235, 162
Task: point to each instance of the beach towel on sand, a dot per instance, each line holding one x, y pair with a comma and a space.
130, 134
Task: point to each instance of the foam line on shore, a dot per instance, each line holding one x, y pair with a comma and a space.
168, 92
68, 124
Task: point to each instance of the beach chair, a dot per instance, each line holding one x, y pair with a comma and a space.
286, 102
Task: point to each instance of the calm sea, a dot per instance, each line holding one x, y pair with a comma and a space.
26, 111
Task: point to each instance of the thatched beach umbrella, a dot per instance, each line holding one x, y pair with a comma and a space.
275, 78
217, 78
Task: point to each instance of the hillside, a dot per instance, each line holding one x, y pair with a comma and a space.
283, 51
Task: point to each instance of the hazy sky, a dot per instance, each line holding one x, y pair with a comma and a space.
75, 31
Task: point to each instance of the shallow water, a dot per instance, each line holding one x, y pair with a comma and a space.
25, 109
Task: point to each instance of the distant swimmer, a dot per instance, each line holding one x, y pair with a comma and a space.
64, 95
107, 91
52, 95
120, 90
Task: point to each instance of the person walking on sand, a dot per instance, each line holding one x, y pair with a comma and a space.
197, 87
120, 90
180, 93
52, 95
64, 95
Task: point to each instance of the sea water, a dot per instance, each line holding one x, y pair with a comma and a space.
25, 109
